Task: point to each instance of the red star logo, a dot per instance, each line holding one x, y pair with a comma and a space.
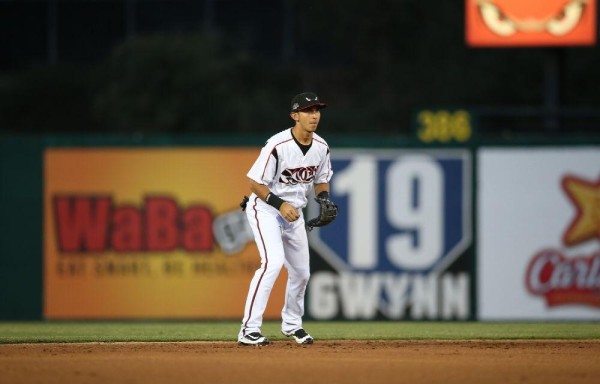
585, 196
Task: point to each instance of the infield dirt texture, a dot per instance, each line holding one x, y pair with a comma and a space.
344, 352
521, 361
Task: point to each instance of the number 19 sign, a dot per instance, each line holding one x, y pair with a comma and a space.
404, 218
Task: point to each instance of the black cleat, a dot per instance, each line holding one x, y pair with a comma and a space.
300, 336
254, 338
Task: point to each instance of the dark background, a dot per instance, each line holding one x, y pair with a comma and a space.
232, 66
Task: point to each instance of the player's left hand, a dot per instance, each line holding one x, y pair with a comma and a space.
328, 211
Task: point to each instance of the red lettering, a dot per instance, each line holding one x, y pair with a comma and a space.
82, 223
162, 233
92, 224
127, 229
564, 280
197, 234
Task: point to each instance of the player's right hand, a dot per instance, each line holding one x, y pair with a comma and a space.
289, 212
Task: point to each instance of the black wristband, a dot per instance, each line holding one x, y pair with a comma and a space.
274, 201
323, 195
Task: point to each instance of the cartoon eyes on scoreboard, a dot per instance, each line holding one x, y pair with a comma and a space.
563, 22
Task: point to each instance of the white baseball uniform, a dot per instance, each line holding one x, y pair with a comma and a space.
291, 174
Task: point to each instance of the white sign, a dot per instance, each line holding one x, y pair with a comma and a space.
538, 253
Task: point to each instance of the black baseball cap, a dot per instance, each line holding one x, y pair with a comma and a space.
306, 100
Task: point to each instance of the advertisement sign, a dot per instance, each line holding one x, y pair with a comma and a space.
494, 23
398, 249
538, 251
148, 233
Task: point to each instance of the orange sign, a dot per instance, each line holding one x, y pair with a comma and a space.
492, 23
148, 234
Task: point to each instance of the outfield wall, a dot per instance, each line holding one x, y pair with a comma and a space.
538, 253
150, 228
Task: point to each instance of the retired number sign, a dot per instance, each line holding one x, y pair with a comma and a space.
404, 218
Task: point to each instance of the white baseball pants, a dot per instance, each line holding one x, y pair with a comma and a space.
279, 243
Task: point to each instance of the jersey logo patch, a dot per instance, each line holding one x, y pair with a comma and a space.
302, 175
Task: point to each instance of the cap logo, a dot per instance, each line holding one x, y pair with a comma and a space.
295, 106
307, 98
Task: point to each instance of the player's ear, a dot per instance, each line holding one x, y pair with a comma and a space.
294, 116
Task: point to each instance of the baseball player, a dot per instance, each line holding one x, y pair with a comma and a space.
289, 166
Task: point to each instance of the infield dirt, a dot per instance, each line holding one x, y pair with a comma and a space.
323, 362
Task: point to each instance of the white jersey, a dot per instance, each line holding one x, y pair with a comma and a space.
289, 173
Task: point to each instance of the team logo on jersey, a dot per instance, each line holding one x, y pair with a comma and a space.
302, 175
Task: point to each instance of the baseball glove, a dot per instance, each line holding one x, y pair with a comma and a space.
327, 212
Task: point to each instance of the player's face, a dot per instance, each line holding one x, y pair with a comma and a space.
308, 119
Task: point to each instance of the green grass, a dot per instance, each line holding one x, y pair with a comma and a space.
71, 332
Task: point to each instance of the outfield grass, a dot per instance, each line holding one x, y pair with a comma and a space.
71, 332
